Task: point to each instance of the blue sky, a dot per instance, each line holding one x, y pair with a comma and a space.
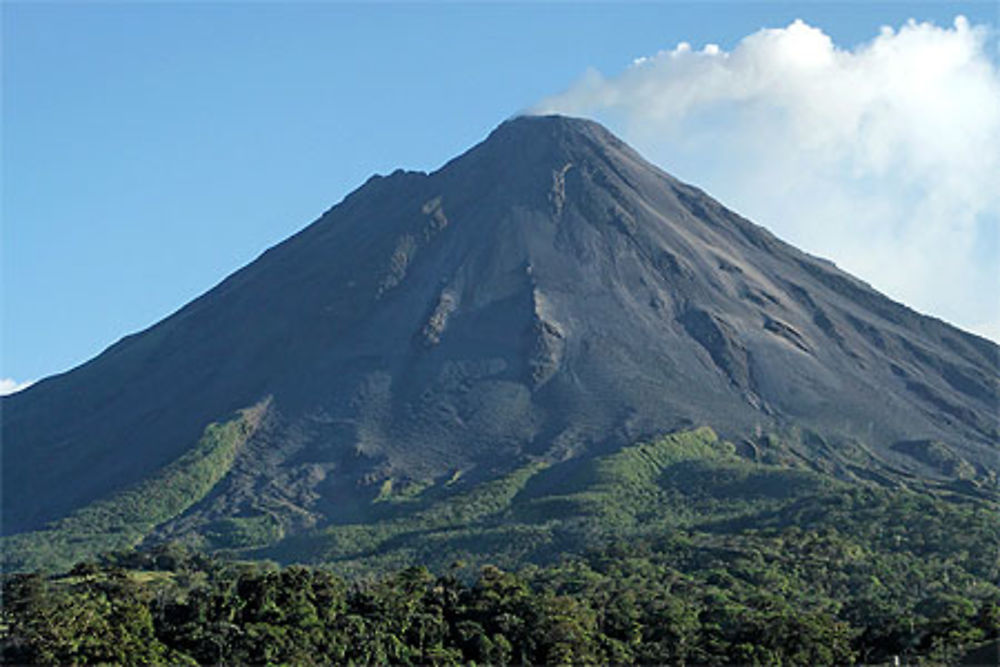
148, 150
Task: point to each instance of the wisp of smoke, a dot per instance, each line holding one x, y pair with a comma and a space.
884, 157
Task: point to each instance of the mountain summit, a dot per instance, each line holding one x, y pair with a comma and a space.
547, 295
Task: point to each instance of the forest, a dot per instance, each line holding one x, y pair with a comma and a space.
663, 602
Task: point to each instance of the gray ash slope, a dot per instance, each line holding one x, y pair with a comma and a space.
547, 294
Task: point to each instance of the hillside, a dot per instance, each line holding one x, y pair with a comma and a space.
674, 551
476, 349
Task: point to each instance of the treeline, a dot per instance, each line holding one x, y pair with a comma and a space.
629, 603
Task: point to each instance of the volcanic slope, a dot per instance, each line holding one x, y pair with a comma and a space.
547, 295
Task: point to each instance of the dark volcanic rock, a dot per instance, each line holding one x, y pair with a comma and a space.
548, 293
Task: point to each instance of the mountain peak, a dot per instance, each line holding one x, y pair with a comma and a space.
534, 159
547, 294
552, 127
553, 136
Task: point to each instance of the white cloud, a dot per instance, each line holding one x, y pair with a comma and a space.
884, 157
10, 386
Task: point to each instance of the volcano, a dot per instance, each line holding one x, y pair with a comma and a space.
548, 295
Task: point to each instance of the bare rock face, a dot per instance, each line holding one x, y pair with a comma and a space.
546, 294
434, 328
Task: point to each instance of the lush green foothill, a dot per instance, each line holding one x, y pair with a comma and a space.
674, 551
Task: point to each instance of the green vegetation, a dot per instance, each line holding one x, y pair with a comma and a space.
122, 520
666, 602
675, 551
540, 511
622, 491
938, 456
243, 532
410, 528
